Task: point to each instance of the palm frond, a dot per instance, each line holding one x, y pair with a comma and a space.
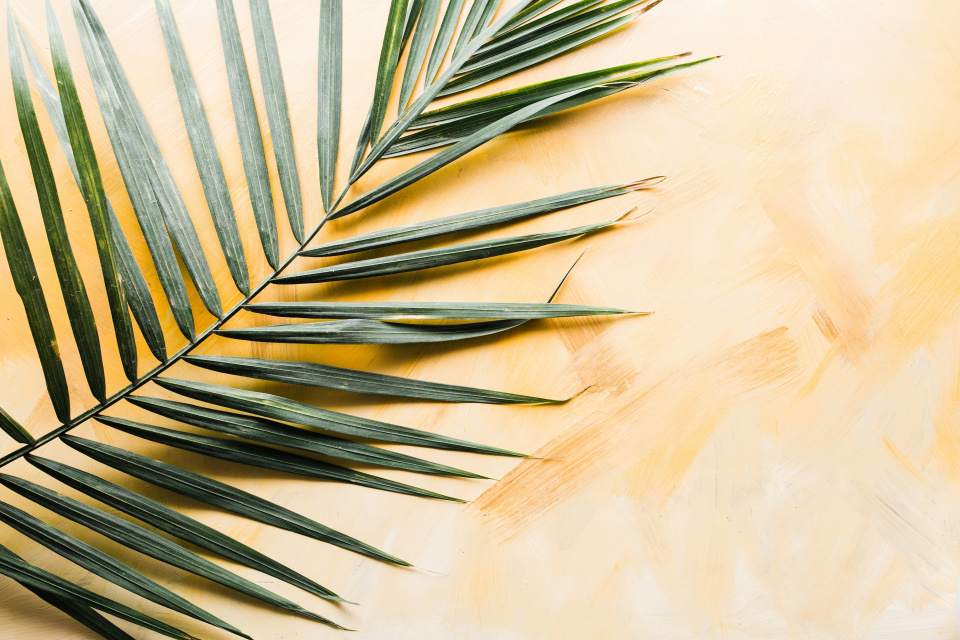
253, 428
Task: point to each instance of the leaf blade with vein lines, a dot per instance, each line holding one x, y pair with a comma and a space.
329, 98
14, 429
265, 457
444, 37
79, 311
27, 283
175, 213
204, 147
387, 67
282, 435
213, 492
175, 523
248, 132
328, 377
278, 113
429, 310
368, 332
280, 408
131, 277
148, 543
106, 567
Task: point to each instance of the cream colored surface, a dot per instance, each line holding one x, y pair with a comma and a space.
774, 454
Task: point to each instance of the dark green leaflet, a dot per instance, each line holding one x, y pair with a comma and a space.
278, 113
14, 429
134, 284
42, 581
363, 141
418, 49
329, 100
131, 158
440, 257
260, 456
175, 523
475, 219
414, 8
282, 435
205, 154
79, 311
522, 96
91, 185
27, 283
148, 543
176, 217
248, 132
531, 57
216, 493
327, 377
387, 68
83, 614
368, 332
428, 310
279, 408
448, 155
101, 564
444, 36
488, 12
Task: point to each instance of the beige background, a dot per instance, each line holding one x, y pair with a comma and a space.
774, 454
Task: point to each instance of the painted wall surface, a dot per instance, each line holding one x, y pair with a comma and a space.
775, 453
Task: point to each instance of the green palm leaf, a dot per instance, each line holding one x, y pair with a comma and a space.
386, 70
14, 429
444, 37
418, 49
329, 81
429, 310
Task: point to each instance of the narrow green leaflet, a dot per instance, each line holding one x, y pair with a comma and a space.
429, 310
534, 27
248, 132
533, 56
444, 37
258, 456
38, 580
131, 277
414, 8
278, 113
328, 377
282, 435
389, 54
25, 279
147, 150
448, 155
488, 12
130, 153
418, 49
528, 94
471, 26
148, 543
475, 219
205, 154
329, 99
175, 523
101, 564
279, 408
209, 491
79, 311
363, 141
368, 332
14, 429
439, 257
91, 186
